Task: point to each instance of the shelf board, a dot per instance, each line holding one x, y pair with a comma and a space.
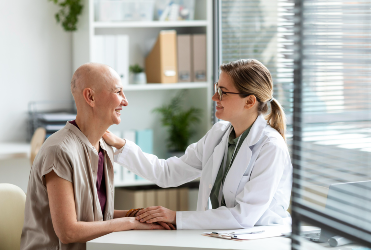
134, 183
194, 23
14, 150
159, 86
141, 183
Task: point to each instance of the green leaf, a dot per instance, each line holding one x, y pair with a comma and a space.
179, 122
57, 18
135, 69
69, 13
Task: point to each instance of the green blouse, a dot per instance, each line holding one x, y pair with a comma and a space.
232, 141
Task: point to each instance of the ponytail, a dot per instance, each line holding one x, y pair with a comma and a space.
251, 77
276, 118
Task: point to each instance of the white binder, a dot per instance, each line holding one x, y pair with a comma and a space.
113, 50
122, 58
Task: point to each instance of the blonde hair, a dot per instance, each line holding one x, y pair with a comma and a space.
251, 77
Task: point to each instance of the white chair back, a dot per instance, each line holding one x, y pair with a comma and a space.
12, 203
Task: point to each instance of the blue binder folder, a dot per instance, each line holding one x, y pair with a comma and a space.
144, 139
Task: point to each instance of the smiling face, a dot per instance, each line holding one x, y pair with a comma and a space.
232, 107
110, 100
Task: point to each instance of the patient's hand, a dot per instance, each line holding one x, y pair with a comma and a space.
145, 226
113, 140
156, 214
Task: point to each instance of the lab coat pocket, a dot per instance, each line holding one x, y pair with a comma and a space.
243, 181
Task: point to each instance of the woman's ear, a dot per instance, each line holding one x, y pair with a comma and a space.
89, 96
250, 101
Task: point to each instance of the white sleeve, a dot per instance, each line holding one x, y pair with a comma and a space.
252, 202
165, 173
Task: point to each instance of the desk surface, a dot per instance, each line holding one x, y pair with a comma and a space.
180, 239
14, 150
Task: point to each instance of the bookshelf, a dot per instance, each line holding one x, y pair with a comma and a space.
137, 183
164, 24
144, 98
155, 86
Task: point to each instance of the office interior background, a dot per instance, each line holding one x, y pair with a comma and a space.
318, 52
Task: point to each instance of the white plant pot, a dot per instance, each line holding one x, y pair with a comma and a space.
139, 78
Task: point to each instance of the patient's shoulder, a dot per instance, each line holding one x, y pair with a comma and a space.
62, 143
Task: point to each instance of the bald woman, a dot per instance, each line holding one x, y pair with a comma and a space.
70, 191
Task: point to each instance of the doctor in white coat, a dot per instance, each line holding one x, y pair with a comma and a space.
243, 161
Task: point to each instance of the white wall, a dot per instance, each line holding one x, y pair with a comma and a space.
35, 62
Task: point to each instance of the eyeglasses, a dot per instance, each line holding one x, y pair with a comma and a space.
221, 92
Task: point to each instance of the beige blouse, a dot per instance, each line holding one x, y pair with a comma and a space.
72, 157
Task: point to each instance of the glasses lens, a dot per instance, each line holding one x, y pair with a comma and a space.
218, 90
220, 93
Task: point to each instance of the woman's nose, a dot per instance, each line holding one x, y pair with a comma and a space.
215, 97
125, 102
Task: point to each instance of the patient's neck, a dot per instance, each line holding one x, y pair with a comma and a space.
92, 128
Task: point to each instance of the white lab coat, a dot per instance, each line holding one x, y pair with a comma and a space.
257, 187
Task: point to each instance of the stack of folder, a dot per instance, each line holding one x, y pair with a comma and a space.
52, 122
144, 139
177, 58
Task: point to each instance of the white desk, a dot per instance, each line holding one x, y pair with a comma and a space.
14, 150
15, 163
180, 240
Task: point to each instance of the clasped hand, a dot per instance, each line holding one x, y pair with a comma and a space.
157, 214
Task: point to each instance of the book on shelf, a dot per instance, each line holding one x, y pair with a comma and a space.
177, 58
124, 10
175, 10
198, 58
184, 58
161, 62
144, 139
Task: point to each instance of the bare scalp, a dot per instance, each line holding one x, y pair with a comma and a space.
92, 75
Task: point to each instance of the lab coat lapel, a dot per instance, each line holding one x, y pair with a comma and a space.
235, 174
241, 161
218, 154
209, 173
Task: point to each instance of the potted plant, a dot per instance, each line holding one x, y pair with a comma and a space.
138, 75
69, 13
179, 123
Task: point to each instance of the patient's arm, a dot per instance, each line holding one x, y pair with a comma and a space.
63, 213
119, 213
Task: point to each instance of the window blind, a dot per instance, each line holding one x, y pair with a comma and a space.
319, 55
331, 119
262, 30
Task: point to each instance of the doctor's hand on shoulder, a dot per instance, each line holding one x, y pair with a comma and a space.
113, 140
156, 214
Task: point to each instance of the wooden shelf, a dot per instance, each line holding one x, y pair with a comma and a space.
134, 183
156, 86
141, 183
195, 23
